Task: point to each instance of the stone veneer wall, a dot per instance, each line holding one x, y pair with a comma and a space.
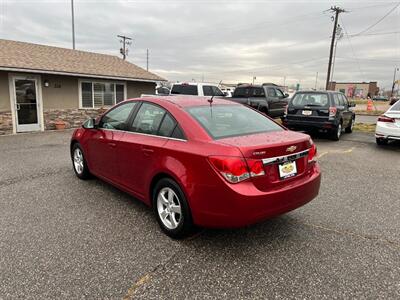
6, 126
73, 117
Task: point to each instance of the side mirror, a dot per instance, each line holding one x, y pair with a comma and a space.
352, 104
89, 124
225, 94
286, 95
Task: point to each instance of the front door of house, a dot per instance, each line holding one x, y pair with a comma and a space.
26, 104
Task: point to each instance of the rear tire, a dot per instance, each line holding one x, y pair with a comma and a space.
171, 209
79, 162
337, 132
381, 141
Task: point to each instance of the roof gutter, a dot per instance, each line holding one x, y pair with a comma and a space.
77, 74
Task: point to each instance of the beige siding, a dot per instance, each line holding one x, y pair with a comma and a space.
135, 89
4, 92
62, 92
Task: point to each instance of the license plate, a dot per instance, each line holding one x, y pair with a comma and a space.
307, 112
287, 169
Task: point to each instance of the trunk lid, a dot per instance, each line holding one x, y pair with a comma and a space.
274, 149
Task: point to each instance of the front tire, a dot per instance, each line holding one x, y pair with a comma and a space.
349, 129
79, 162
171, 209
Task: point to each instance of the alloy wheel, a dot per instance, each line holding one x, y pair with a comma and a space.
78, 161
339, 130
169, 208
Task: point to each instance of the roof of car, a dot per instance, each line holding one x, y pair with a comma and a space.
187, 101
319, 92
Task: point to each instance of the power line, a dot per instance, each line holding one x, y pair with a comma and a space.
380, 20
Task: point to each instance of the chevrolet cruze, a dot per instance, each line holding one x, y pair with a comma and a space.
198, 161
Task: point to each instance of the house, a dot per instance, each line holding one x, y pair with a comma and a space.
41, 84
355, 89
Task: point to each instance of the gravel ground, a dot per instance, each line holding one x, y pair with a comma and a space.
65, 238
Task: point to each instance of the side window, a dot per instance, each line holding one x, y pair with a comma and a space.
148, 119
279, 93
117, 118
207, 90
344, 99
178, 133
258, 92
216, 91
271, 92
167, 126
336, 100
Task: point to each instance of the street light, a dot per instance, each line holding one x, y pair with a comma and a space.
394, 81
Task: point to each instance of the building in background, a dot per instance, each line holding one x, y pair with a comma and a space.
355, 89
40, 85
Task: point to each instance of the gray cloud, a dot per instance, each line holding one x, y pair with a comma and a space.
220, 40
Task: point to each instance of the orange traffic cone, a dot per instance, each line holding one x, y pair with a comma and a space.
370, 106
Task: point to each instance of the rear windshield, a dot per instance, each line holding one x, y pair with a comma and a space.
223, 121
396, 106
310, 99
184, 89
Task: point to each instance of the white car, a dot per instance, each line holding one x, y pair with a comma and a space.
196, 89
388, 125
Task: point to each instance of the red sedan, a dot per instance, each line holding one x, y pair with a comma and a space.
198, 161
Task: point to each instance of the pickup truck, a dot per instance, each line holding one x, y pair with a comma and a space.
267, 98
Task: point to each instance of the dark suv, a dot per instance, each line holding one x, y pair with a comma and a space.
323, 111
267, 98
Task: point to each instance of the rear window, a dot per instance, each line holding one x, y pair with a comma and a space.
223, 121
308, 99
184, 89
396, 106
247, 92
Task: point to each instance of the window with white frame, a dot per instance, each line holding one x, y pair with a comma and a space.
100, 94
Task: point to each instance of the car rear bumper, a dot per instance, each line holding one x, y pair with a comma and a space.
307, 125
388, 131
238, 208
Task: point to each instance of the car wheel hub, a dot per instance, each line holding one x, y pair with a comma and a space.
78, 161
169, 208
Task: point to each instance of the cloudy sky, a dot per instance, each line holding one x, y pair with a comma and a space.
222, 40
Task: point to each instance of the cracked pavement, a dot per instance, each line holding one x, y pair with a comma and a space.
65, 238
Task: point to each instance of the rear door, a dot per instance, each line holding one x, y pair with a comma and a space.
347, 113
273, 101
141, 148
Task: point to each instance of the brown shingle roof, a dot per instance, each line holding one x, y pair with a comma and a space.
21, 55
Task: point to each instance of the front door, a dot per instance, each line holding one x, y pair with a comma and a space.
26, 104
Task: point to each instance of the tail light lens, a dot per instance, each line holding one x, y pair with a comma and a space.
385, 119
312, 153
235, 169
332, 111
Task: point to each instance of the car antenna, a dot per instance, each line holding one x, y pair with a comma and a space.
213, 94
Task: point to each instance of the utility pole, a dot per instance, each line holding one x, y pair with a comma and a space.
254, 78
394, 81
316, 81
337, 11
73, 24
339, 35
147, 59
126, 41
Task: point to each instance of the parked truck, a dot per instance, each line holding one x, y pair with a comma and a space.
267, 98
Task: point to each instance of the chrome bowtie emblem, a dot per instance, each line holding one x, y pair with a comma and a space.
291, 149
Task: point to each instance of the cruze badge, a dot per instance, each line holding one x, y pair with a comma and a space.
291, 149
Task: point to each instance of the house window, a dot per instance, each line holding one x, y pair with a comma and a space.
100, 94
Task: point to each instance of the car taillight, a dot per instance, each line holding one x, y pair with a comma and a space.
385, 119
312, 153
235, 169
332, 111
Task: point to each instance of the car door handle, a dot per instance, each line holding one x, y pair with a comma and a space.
112, 145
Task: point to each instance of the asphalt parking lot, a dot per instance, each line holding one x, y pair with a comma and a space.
64, 238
